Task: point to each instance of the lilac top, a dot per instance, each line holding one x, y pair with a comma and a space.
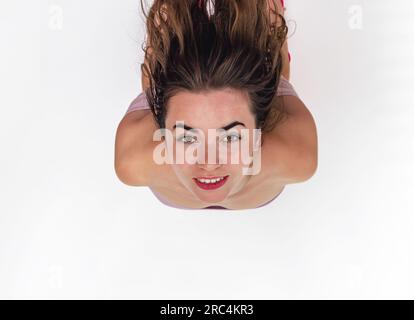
285, 88
209, 207
140, 103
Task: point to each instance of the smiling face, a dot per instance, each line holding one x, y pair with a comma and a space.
214, 110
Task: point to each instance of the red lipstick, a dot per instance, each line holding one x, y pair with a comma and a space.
211, 186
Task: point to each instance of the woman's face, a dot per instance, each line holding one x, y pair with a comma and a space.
214, 110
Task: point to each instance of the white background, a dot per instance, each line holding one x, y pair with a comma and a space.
70, 229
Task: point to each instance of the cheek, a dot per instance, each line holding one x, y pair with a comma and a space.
238, 154
183, 170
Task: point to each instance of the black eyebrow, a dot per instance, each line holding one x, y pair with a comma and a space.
228, 127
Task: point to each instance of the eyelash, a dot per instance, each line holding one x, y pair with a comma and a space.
232, 135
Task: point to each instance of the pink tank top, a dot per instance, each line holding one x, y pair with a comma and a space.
140, 103
285, 88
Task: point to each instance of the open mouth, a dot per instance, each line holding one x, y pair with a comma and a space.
210, 183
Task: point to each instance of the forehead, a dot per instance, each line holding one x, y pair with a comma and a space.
209, 109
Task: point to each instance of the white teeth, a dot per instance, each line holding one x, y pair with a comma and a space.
210, 180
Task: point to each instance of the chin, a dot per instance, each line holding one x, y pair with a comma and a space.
211, 199
210, 196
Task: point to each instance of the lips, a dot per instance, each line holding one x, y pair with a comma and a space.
211, 177
211, 186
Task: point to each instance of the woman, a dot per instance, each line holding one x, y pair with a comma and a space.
212, 64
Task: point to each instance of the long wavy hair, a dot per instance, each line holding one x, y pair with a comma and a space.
199, 45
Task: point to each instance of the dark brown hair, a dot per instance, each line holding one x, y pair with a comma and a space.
198, 45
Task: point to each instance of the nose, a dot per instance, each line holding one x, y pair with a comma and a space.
215, 161
209, 167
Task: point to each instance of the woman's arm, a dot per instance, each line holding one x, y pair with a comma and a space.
293, 144
133, 140
134, 162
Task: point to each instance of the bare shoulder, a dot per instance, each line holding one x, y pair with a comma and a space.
130, 142
293, 144
134, 153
